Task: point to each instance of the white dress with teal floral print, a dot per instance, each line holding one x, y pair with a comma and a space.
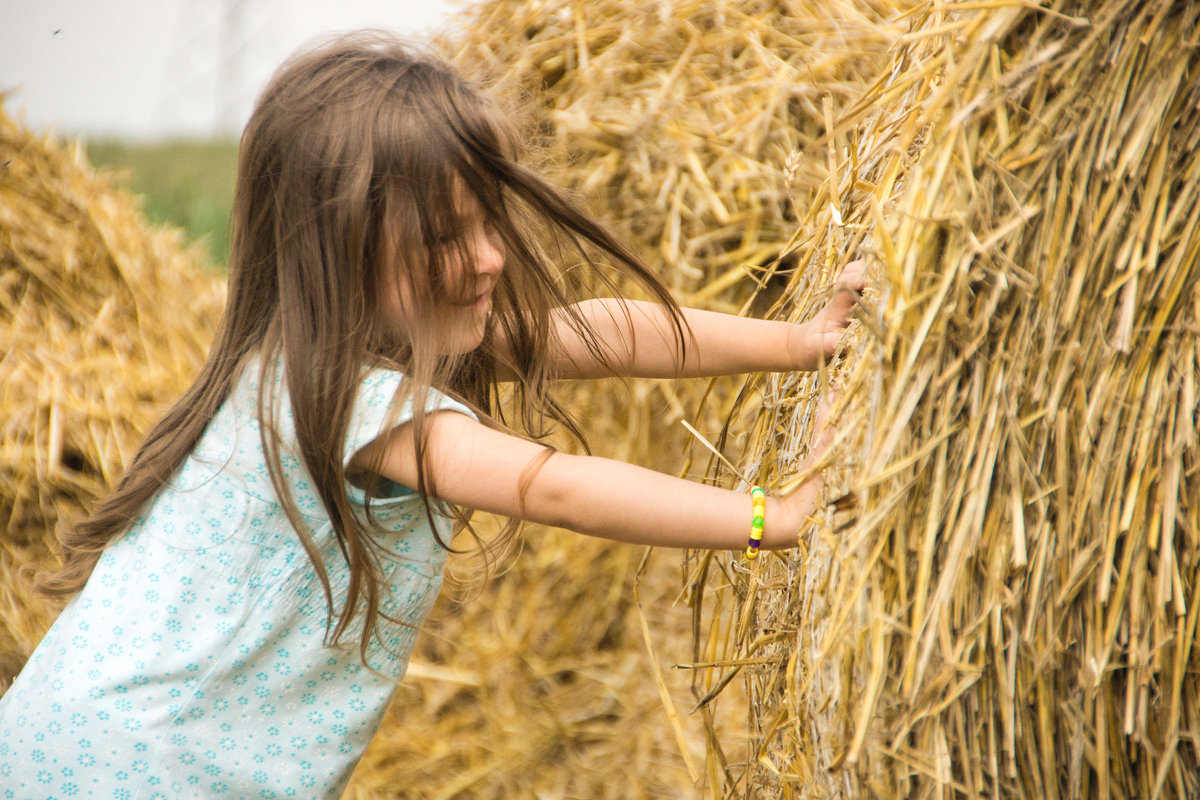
193, 663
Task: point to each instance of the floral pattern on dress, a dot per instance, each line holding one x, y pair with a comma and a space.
194, 663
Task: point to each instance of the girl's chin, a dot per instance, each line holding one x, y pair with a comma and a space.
461, 348
463, 341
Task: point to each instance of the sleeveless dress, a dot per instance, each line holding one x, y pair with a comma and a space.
193, 662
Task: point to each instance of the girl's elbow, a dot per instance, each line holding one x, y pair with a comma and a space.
542, 495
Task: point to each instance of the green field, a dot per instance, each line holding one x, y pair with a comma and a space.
185, 183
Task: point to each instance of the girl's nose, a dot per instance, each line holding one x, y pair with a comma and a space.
490, 254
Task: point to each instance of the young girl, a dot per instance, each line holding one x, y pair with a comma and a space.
249, 595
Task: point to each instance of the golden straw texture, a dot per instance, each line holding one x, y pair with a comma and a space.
1009, 606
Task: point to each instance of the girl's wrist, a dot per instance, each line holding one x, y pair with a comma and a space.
800, 347
785, 516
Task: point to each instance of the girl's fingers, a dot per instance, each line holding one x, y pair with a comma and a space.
854, 276
820, 336
849, 284
835, 317
822, 432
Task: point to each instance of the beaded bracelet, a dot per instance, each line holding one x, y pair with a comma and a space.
759, 498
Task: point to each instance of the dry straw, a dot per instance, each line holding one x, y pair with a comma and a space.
1010, 608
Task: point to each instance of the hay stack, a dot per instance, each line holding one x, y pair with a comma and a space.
1011, 608
102, 322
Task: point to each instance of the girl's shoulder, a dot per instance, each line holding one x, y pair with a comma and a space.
386, 398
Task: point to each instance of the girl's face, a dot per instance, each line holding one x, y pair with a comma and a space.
472, 255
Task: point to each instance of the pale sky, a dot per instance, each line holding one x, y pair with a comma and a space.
151, 69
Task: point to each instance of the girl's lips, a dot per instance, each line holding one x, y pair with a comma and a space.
478, 302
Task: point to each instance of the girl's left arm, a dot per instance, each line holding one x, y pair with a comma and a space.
640, 340
478, 467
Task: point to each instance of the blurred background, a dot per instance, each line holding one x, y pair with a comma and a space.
159, 91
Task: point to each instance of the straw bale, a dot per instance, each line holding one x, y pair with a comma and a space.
103, 321
1007, 604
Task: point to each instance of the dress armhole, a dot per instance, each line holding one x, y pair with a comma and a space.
372, 417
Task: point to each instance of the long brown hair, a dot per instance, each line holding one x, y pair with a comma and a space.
349, 170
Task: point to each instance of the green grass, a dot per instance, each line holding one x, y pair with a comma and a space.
188, 184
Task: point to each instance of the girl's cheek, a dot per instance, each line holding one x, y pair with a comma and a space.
456, 277
394, 305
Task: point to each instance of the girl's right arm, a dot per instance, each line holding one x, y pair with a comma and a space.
478, 467
639, 338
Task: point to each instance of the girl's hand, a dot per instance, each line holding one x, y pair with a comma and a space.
796, 507
814, 342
